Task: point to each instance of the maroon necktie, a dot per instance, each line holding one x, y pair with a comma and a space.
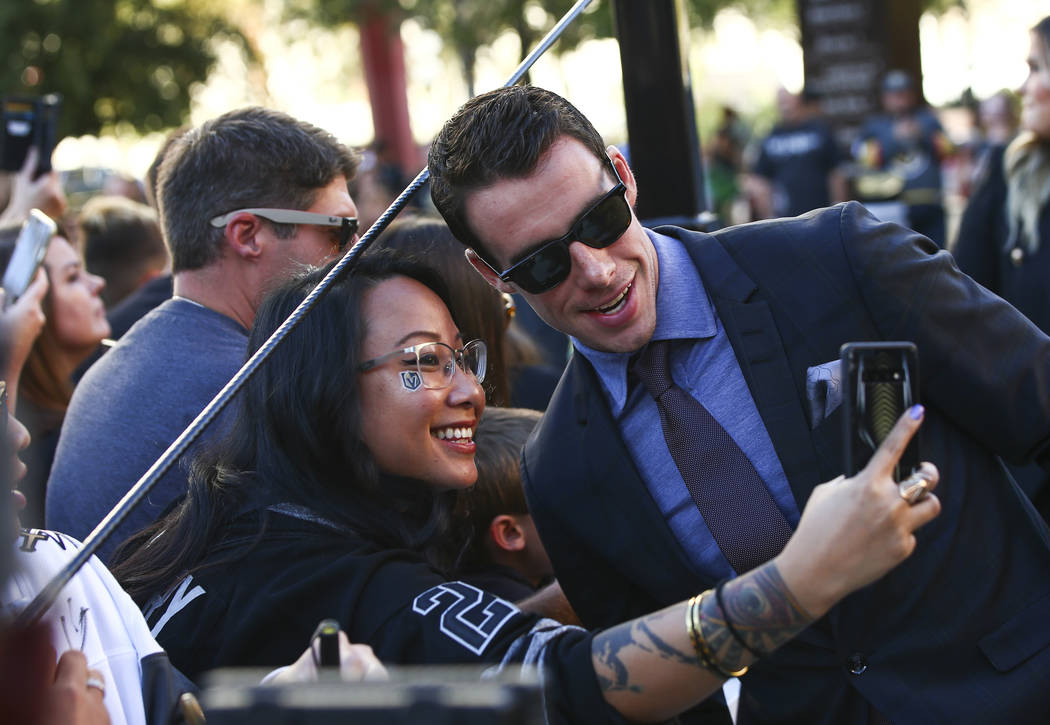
736, 505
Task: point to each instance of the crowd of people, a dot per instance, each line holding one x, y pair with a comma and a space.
658, 512
902, 161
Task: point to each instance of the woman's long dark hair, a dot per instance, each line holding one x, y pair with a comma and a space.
296, 438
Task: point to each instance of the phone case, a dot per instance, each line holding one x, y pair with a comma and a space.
880, 381
28, 254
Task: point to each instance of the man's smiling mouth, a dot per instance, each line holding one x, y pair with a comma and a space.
616, 305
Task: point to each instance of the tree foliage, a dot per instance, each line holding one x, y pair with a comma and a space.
468, 25
116, 63
781, 12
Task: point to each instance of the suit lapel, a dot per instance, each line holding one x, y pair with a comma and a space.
761, 353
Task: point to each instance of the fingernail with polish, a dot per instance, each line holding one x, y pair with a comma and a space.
916, 412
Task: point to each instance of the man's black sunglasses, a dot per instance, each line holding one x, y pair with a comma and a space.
598, 227
347, 224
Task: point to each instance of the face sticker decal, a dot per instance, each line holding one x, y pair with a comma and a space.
411, 380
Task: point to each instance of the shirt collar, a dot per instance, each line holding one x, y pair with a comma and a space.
683, 311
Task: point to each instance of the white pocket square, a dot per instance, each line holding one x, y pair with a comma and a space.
823, 390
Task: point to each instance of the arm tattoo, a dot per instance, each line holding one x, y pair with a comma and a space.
763, 611
612, 645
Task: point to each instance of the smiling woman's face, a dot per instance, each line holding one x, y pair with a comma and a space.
410, 430
1035, 93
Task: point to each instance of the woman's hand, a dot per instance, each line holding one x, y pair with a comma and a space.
356, 662
43, 193
854, 530
75, 697
20, 325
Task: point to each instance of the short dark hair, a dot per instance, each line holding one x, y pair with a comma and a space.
153, 172
500, 436
122, 242
252, 157
499, 135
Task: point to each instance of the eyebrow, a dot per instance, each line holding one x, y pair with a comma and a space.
430, 336
590, 205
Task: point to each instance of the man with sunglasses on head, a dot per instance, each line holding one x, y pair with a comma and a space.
702, 406
246, 200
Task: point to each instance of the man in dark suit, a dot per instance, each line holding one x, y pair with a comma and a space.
755, 316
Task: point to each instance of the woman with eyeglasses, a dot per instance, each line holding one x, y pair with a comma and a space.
332, 494
517, 376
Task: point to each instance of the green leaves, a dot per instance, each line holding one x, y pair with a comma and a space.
115, 62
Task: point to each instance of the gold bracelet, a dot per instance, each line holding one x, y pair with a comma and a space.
692, 623
690, 627
696, 635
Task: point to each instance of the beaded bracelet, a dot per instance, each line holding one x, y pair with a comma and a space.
696, 636
729, 624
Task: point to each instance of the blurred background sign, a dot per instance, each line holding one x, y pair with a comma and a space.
847, 47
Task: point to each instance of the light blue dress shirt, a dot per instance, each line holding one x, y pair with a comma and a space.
703, 363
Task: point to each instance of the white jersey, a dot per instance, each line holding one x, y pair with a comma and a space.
94, 615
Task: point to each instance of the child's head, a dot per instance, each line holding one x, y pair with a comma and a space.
503, 532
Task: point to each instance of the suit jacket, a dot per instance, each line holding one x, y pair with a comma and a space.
957, 633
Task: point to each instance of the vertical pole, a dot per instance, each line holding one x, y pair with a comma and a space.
848, 45
383, 58
661, 119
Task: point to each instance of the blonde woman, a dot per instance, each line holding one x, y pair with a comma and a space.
1004, 235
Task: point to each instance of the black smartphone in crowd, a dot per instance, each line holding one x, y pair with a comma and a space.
25, 122
880, 380
28, 254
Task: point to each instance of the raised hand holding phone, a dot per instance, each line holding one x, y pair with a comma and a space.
33, 192
855, 530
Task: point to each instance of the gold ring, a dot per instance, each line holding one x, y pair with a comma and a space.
914, 488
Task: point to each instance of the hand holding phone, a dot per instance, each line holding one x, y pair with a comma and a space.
27, 122
327, 636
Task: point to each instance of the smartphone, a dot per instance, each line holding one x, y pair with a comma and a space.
327, 633
28, 254
880, 380
25, 122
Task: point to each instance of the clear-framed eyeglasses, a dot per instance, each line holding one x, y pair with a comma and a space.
436, 362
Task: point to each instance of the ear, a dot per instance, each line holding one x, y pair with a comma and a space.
491, 276
241, 236
620, 162
506, 533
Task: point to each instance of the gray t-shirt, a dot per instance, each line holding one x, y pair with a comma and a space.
130, 406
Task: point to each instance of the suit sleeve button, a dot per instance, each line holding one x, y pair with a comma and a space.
856, 664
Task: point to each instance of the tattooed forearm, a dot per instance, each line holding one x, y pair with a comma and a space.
650, 668
614, 648
763, 612
608, 650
